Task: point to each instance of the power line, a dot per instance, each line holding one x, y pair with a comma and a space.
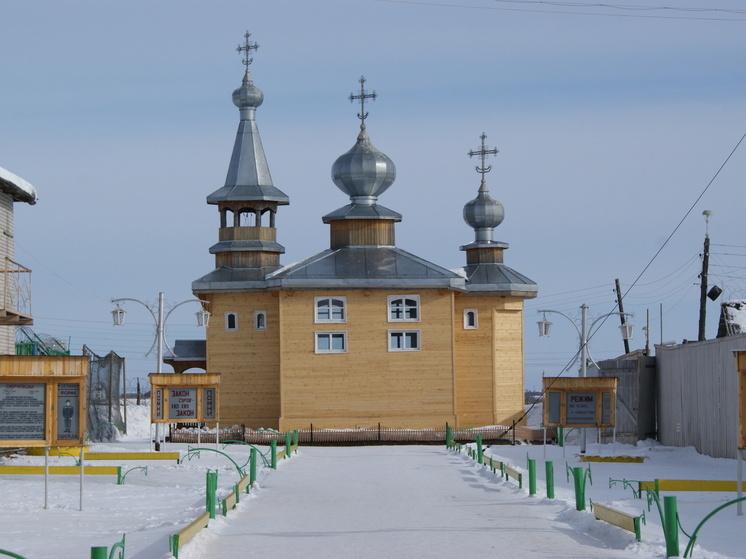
561, 12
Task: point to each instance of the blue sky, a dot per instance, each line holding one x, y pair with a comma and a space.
609, 127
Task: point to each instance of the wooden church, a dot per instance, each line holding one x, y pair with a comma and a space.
363, 332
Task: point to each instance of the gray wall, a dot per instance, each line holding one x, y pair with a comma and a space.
698, 395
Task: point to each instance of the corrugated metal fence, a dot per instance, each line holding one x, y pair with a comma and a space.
698, 395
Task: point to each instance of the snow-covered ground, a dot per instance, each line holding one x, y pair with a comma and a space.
148, 508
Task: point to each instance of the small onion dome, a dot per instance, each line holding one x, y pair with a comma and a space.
363, 173
248, 96
484, 212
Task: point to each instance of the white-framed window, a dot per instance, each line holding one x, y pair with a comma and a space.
330, 309
331, 342
231, 321
471, 319
260, 320
404, 340
404, 308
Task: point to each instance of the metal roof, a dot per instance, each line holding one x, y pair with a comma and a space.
372, 267
248, 173
498, 279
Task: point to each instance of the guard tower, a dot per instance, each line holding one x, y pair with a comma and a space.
15, 279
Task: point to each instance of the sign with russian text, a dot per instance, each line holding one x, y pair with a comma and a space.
42, 400
580, 402
22, 411
68, 411
182, 404
184, 397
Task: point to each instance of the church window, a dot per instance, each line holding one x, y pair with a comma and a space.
470, 319
231, 321
260, 320
331, 342
404, 309
330, 309
404, 340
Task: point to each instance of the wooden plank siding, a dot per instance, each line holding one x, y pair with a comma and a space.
274, 378
367, 383
247, 359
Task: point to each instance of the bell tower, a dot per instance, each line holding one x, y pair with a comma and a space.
247, 247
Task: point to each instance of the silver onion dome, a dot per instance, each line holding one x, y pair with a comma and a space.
248, 96
483, 214
363, 173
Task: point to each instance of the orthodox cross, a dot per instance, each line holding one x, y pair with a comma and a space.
247, 47
362, 115
483, 153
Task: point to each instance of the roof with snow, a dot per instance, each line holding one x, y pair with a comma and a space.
19, 189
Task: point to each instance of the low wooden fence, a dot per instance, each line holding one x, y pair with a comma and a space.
496, 434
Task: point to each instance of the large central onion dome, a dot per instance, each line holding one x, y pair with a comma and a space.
363, 173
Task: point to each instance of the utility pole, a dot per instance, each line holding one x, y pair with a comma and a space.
622, 317
703, 278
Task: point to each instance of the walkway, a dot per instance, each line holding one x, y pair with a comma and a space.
391, 502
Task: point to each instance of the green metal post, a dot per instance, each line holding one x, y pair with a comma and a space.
550, 479
211, 489
252, 467
296, 438
578, 475
273, 447
449, 436
480, 450
671, 526
560, 436
531, 476
99, 552
287, 445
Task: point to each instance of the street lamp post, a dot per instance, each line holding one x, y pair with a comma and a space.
157, 312
585, 333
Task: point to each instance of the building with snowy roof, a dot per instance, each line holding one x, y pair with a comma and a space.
363, 332
15, 279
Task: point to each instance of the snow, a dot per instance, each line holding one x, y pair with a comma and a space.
18, 182
380, 501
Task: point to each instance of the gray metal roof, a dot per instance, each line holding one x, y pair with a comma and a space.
187, 350
248, 173
372, 267
360, 211
498, 279
232, 279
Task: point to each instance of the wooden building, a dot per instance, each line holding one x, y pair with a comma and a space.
362, 333
15, 279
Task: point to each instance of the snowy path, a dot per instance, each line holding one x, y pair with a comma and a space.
427, 502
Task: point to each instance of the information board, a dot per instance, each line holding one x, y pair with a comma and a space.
42, 400
580, 402
23, 411
184, 397
182, 404
68, 411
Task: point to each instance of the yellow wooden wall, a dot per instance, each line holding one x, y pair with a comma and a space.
489, 360
368, 384
247, 359
273, 378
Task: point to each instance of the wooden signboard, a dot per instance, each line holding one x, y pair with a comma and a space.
741, 365
580, 402
42, 400
184, 398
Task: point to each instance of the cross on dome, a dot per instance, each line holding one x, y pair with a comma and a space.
483, 153
247, 47
362, 115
